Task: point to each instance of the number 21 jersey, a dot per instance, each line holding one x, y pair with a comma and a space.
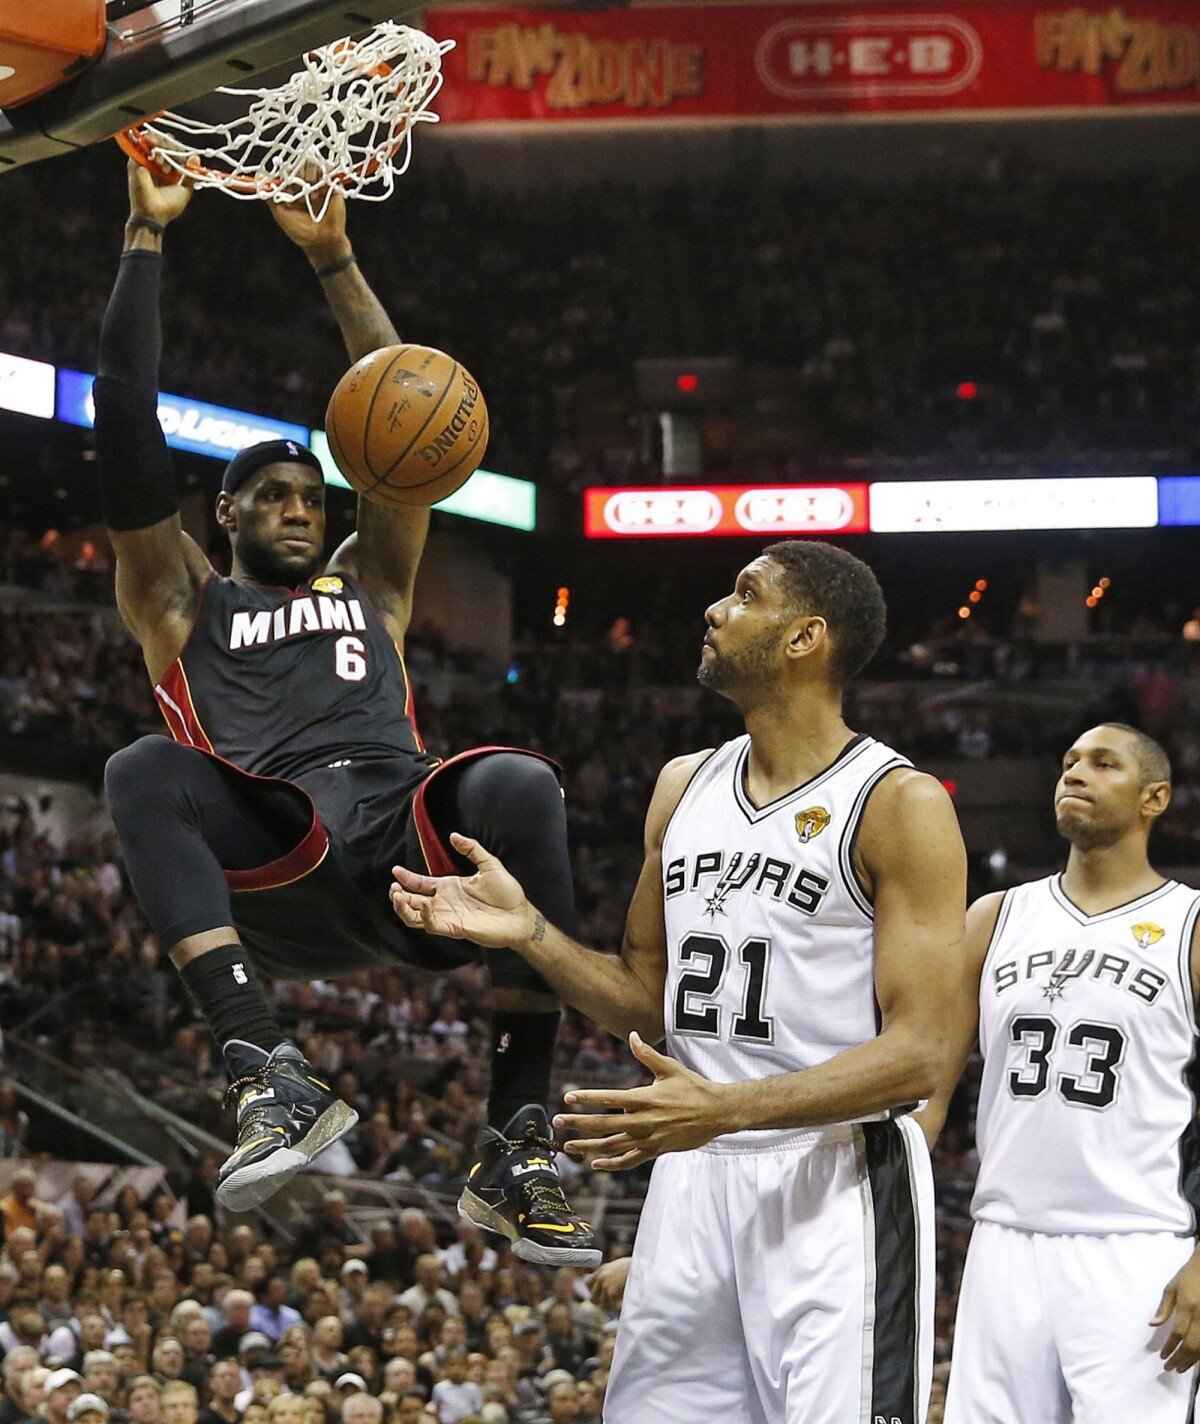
770, 938
1087, 1029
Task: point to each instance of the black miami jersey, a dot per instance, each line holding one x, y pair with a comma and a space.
280, 681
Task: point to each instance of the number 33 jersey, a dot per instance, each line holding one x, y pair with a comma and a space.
770, 941
1087, 1028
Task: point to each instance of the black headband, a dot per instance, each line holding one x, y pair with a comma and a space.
270, 452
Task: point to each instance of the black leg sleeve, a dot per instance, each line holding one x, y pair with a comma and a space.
512, 804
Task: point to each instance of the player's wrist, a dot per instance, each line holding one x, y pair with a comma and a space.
534, 927
143, 234
325, 254
727, 1108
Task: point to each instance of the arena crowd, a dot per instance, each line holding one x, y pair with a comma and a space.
1013, 315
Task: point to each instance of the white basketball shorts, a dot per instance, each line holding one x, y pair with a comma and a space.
782, 1283
1052, 1329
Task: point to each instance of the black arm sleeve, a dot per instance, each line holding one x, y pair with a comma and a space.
137, 483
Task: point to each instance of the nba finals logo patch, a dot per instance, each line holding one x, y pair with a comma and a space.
810, 823
1147, 934
328, 584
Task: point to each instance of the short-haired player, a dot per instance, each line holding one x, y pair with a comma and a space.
1081, 1293
795, 935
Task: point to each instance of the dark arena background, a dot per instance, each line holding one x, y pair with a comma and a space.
922, 282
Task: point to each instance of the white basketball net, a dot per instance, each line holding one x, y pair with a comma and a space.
344, 118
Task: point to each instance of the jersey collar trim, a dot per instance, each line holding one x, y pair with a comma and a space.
853, 748
1072, 909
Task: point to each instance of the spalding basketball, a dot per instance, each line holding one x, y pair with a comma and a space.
407, 425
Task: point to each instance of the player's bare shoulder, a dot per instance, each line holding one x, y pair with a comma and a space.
673, 782
908, 816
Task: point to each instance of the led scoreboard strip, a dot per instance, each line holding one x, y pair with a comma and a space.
899, 507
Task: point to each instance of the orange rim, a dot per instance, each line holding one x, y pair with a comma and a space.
141, 149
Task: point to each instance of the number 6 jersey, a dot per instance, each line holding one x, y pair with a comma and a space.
770, 940
1087, 1028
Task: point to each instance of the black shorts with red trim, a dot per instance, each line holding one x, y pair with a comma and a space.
323, 908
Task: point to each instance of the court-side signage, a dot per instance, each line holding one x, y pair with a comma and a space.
950, 506
673, 61
190, 425
725, 509
26, 386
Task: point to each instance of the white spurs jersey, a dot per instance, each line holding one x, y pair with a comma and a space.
1087, 1028
770, 941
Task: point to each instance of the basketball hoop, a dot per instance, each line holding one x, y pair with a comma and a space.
345, 118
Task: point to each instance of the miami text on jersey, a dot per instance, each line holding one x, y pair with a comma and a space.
301, 615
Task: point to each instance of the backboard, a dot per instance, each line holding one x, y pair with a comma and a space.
163, 53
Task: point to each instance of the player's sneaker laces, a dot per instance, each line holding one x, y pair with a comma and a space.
514, 1189
285, 1117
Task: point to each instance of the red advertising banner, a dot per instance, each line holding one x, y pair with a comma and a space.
725, 509
801, 60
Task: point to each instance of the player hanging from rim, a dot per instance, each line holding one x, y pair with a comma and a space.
1081, 1293
263, 834
796, 932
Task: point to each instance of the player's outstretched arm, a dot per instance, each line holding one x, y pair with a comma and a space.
160, 569
963, 1029
622, 993
385, 551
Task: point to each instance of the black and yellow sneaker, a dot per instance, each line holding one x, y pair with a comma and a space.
285, 1117
514, 1189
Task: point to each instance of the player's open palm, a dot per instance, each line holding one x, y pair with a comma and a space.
488, 907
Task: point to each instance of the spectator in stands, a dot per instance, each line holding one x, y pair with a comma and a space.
88, 1409
410, 1409
563, 1400
327, 1357
20, 1207
61, 1388
179, 1403
361, 1408
271, 1315
224, 1384
428, 1289
236, 1309
167, 1364
33, 1391
100, 1377
17, 1364
369, 1312
83, 1191
144, 1400
197, 1349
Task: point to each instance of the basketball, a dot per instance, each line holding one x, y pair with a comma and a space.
407, 425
